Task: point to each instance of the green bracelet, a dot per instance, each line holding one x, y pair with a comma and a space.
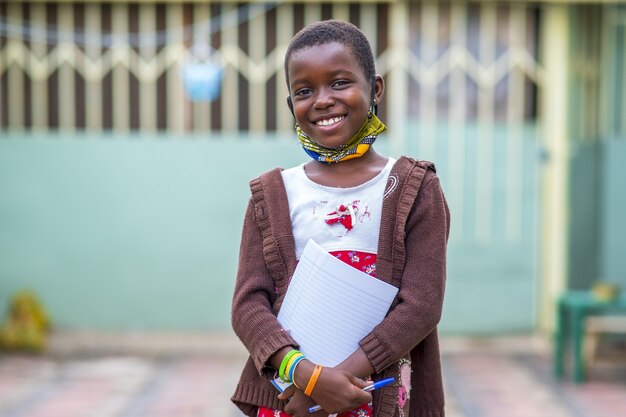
283, 364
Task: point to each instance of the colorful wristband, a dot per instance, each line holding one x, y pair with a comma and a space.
284, 362
291, 369
290, 363
314, 377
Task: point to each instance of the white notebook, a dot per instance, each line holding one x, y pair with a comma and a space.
330, 306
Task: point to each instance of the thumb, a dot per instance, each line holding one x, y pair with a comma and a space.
359, 384
288, 393
356, 381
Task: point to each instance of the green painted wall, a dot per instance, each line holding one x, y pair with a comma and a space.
143, 233
597, 225
127, 233
492, 276
586, 193
613, 223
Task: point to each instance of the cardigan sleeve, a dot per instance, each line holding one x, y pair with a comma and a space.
420, 297
252, 317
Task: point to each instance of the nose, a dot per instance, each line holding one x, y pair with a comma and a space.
324, 99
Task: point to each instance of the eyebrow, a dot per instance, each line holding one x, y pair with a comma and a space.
332, 74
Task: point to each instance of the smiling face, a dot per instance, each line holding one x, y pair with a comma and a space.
330, 93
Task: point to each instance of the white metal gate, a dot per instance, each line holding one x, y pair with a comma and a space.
463, 82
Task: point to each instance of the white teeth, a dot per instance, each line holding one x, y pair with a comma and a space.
328, 122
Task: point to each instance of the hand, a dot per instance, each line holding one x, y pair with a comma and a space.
337, 391
298, 405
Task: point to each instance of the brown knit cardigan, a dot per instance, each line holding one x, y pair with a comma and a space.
411, 256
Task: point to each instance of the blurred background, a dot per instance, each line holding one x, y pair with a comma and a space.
129, 132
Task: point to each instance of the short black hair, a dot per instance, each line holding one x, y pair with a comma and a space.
334, 31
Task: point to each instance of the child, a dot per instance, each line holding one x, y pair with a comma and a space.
386, 217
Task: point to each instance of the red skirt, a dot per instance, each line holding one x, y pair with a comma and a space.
363, 411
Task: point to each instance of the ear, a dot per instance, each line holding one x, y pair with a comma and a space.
378, 87
290, 105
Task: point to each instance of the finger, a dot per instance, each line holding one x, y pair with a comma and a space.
291, 409
364, 397
288, 393
354, 380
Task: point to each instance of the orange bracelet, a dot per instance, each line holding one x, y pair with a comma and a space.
314, 377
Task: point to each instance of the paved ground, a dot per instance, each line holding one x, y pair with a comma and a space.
192, 376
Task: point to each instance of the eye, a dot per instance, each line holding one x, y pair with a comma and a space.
340, 83
303, 92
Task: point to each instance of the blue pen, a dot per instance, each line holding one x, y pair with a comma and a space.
371, 387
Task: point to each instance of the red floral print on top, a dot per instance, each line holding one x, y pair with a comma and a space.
365, 262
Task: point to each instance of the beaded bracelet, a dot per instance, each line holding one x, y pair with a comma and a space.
314, 377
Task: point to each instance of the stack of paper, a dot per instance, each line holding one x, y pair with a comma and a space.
331, 306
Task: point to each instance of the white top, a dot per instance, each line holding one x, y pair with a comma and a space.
312, 204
